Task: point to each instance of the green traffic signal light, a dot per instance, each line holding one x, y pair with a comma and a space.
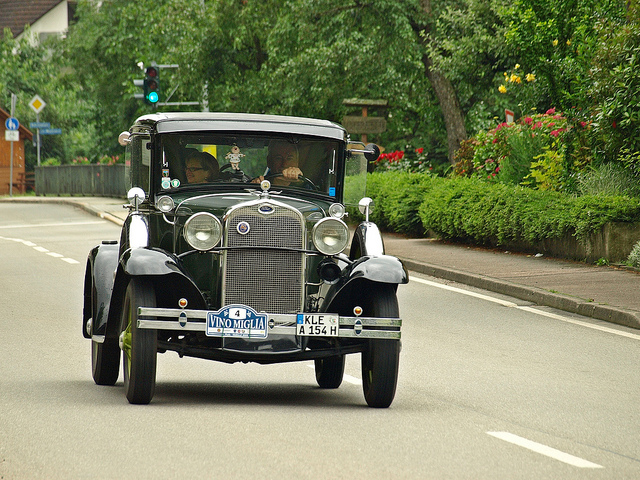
152, 85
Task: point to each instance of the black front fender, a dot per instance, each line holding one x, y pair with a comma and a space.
165, 272
377, 269
98, 285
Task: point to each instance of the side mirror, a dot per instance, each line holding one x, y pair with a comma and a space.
365, 206
124, 138
371, 152
136, 196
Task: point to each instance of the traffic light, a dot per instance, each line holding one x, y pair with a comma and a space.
152, 85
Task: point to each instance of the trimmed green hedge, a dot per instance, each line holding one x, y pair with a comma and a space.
474, 210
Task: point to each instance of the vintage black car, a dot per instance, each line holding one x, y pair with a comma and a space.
234, 250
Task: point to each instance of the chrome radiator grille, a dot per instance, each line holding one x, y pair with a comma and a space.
266, 280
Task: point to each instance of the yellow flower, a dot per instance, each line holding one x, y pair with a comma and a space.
514, 78
517, 66
555, 43
568, 42
502, 89
530, 77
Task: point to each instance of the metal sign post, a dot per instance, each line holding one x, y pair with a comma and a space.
13, 111
37, 104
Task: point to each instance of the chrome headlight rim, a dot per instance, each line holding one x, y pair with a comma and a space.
337, 210
192, 230
340, 239
165, 204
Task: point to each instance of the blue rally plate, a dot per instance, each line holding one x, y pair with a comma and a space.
237, 321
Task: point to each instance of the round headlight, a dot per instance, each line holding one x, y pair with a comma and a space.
330, 236
165, 204
202, 231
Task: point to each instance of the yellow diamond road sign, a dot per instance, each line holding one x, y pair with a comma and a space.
37, 104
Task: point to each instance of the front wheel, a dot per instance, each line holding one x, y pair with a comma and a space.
105, 362
329, 371
139, 346
381, 359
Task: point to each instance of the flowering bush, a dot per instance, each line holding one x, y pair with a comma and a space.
521, 87
80, 161
106, 160
409, 160
521, 152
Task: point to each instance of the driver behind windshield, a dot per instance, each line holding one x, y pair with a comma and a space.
200, 167
282, 160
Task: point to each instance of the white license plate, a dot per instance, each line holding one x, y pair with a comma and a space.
317, 325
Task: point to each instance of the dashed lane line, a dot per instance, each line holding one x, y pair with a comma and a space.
59, 224
544, 450
40, 249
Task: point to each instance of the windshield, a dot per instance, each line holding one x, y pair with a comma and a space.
287, 161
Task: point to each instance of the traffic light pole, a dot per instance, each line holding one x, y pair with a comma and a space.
141, 83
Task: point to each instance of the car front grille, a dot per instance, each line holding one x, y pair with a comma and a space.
268, 279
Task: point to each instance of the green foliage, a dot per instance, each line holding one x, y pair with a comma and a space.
397, 197
615, 85
608, 179
634, 256
556, 42
526, 152
303, 57
470, 209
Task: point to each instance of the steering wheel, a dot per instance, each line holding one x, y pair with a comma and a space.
301, 178
233, 175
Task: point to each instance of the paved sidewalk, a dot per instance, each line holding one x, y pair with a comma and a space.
605, 293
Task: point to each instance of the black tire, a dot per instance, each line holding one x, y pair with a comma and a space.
139, 346
381, 359
105, 362
329, 371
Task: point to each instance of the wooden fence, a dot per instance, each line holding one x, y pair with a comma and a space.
88, 180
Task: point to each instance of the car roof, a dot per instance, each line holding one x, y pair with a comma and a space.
241, 122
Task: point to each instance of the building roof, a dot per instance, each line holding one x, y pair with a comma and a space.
15, 14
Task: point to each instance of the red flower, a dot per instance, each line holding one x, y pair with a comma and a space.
614, 124
551, 111
419, 150
528, 120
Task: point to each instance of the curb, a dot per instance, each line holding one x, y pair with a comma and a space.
619, 316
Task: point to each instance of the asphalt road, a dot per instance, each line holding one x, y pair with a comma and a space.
489, 388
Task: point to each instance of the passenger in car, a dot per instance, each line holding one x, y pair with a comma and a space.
200, 167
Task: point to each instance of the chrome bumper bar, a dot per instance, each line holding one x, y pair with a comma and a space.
279, 324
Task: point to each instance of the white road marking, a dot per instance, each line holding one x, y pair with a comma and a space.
60, 224
346, 378
583, 324
544, 450
37, 248
506, 303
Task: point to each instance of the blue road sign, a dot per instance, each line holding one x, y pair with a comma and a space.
39, 125
12, 123
51, 131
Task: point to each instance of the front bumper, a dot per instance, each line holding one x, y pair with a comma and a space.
183, 320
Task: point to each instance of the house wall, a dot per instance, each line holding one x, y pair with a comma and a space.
55, 20
5, 165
